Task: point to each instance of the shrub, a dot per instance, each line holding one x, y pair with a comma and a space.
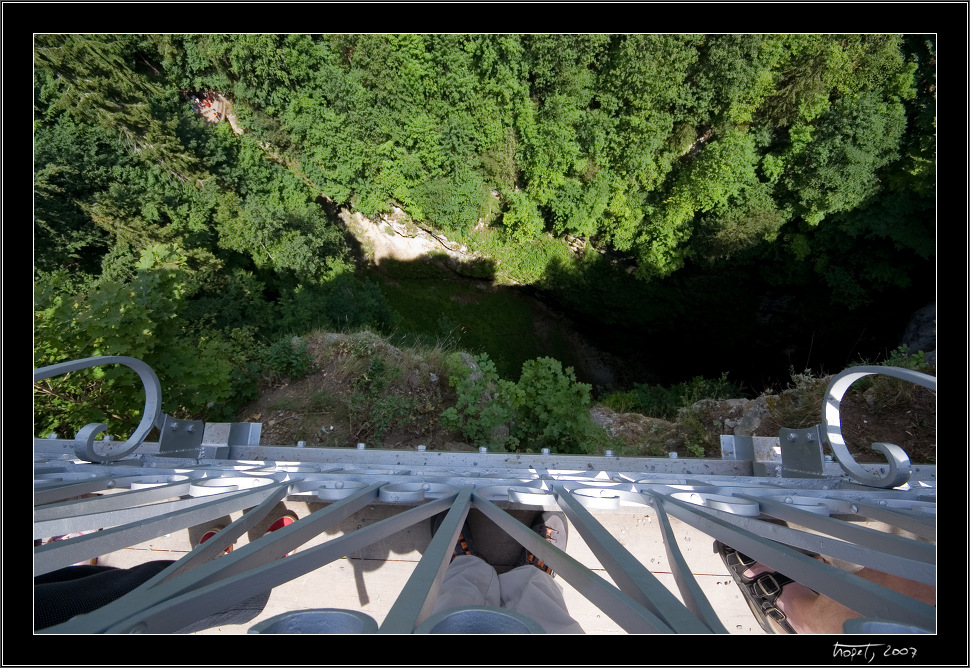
388, 411
621, 402
546, 408
482, 407
800, 405
693, 429
551, 408
657, 401
886, 393
901, 357
666, 402
289, 358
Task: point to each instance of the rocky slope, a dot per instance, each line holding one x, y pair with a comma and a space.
908, 420
397, 402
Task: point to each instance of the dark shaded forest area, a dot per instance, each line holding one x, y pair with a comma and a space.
726, 189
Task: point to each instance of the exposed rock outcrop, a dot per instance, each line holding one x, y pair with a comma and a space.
395, 236
920, 333
632, 428
740, 417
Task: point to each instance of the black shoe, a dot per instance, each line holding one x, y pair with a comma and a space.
552, 527
463, 546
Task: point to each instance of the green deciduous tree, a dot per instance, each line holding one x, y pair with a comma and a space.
719, 173
809, 71
522, 219
742, 221
71, 164
140, 318
837, 169
301, 242
455, 203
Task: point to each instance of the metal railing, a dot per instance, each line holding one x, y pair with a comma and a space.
145, 493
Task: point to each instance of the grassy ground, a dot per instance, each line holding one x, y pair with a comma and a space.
519, 263
431, 303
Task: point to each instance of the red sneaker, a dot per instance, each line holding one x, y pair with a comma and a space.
209, 534
284, 521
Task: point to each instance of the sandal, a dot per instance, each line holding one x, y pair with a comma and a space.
761, 592
552, 527
463, 546
736, 562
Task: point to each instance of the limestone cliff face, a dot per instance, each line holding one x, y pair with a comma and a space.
395, 236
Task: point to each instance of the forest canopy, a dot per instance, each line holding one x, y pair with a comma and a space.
196, 249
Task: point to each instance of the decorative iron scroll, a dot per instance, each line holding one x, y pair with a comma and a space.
152, 415
899, 466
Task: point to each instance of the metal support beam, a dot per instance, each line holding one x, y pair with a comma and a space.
780, 513
630, 575
112, 502
864, 597
142, 524
694, 598
620, 607
217, 592
416, 601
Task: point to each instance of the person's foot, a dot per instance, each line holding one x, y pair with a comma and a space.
794, 600
778, 602
212, 532
284, 521
463, 545
552, 527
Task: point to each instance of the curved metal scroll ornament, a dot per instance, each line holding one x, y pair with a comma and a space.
899, 466
152, 415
